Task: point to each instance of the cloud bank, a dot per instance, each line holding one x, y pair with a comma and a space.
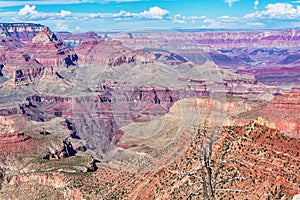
153, 13
273, 15
30, 13
276, 11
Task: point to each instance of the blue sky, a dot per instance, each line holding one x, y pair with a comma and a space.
102, 15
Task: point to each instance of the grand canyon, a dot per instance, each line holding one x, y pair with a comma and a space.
149, 114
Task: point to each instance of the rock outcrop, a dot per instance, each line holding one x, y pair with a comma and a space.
44, 50
23, 32
110, 53
65, 150
45, 36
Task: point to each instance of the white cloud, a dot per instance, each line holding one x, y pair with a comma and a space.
65, 13
96, 15
276, 11
121, 14
256, 2
30, 13
274, 15
28, 10
198, 17
279, 10
179, 19
224, 17
231, 2
207, 20
124, 14
255, 15
227, 19
153, 13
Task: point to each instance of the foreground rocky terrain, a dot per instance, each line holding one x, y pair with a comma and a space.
148, 115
